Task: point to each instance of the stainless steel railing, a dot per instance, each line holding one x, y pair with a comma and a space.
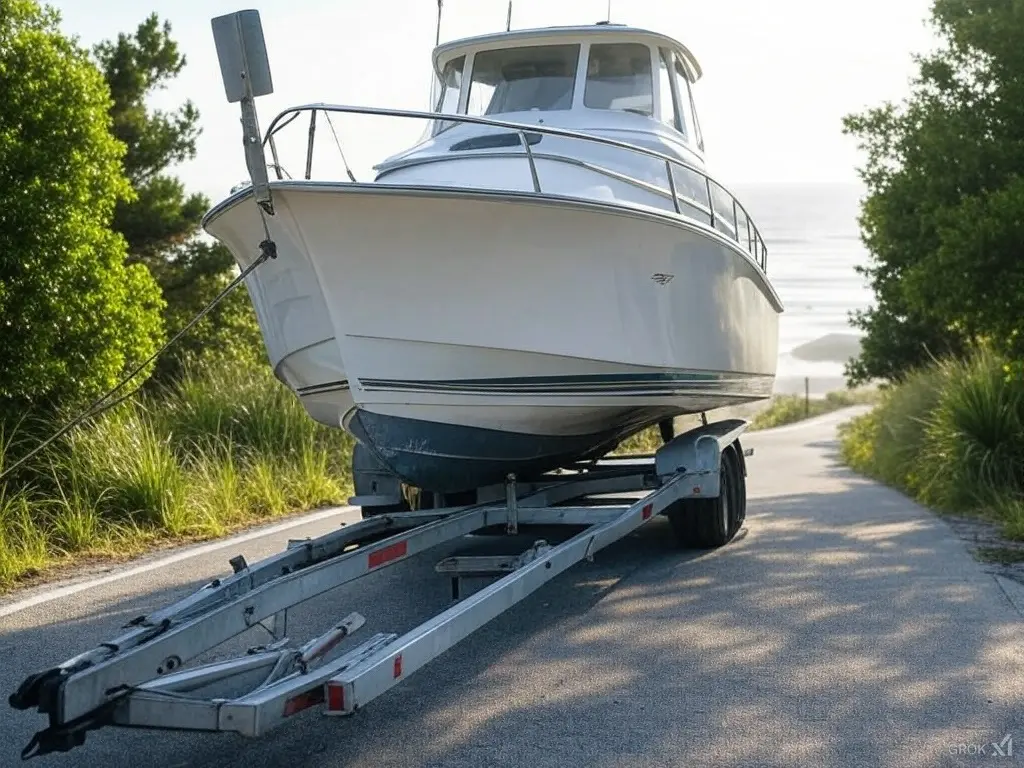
722, 211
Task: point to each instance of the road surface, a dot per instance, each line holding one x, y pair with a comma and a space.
849, 627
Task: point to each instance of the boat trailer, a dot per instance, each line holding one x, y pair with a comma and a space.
139, 679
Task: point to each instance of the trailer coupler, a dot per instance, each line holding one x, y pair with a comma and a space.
65, 737
37, 690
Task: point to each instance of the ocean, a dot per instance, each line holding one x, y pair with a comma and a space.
813, 244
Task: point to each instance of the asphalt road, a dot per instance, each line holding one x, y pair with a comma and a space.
849, 627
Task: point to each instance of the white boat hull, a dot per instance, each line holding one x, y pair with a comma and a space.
290, 308
484, 333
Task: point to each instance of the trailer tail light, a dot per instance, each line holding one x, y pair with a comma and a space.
303, 701
647, 511
335, 698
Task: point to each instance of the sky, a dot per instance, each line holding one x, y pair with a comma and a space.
779, 75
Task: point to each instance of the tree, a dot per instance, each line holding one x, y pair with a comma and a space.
161, 222
944, 215
74, 315
161, 214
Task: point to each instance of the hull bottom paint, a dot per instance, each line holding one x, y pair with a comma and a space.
471, 433
448, 458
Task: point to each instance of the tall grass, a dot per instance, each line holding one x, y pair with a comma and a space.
951, 436
788, 409
221, 449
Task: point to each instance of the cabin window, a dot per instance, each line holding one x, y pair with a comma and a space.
687, 111
619, 77
449, 90
666, 101
533, 78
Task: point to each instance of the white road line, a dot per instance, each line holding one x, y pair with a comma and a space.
186, 554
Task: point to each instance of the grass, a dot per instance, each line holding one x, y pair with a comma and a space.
952, 437
779, 411
1001, 555
220, 450
788, 409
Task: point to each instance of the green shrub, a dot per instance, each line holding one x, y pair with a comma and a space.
75, 316
974, 444
951, 436
887, 442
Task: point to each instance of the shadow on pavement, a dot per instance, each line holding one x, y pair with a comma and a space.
847, 628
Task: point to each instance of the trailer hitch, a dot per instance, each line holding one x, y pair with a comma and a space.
67, 736
41, 689
37, 690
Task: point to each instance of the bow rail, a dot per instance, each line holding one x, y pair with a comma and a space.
694, 194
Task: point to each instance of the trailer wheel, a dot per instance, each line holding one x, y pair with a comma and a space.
712, 523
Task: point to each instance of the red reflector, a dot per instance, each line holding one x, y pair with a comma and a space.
386, 555
696, 489
304, 701
335, 697
648, 509
398, 666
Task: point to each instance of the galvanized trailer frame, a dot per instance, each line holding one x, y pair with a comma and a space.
138, 679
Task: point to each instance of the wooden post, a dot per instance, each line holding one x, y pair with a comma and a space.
807, 396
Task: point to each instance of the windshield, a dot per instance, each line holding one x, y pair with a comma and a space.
446, 92
523, 79
619, 77
689, 112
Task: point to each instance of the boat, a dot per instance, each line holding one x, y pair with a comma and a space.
290, 308
548, 271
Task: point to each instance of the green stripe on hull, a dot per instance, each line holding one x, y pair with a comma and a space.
627, 384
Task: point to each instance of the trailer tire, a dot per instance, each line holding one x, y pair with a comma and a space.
712, 523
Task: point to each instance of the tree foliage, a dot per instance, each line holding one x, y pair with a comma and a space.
944, 215
74, 315
162, 214
161, 223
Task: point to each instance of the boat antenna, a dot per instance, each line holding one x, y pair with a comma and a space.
508, 19
437, 38
608, 17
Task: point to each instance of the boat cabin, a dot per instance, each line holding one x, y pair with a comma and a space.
603, 76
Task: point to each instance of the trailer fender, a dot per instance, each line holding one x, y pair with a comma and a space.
698, 453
